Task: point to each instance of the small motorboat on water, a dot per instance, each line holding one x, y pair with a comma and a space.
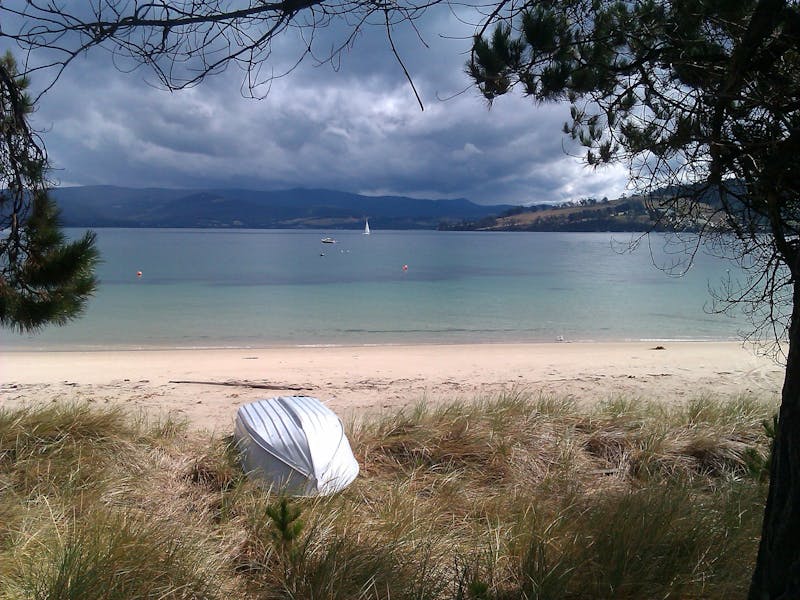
328, 240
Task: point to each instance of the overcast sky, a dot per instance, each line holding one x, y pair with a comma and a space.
357, 129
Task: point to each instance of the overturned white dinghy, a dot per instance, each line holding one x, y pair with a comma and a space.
295, 444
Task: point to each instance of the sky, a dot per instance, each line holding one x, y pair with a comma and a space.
356, 128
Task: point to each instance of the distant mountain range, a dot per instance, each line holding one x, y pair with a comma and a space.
109, 206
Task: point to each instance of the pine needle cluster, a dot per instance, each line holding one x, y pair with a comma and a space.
44, 278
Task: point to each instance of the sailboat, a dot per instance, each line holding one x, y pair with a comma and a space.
366, 227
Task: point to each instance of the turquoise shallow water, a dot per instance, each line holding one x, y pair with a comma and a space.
211, 288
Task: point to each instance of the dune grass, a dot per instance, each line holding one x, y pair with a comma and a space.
518, 496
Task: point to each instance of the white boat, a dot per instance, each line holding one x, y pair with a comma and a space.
328, 240
366, 227
295, 445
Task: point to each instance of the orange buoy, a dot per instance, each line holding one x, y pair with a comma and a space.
138, 273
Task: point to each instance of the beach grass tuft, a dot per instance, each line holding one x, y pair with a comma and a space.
514, 496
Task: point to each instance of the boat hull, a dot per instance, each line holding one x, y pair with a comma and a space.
296, 445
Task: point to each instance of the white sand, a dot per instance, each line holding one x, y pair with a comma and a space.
375, 377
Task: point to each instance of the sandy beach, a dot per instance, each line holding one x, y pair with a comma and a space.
207, 386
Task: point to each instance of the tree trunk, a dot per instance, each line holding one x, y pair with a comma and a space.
777, 570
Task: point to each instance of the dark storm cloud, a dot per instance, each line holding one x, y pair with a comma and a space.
357, 128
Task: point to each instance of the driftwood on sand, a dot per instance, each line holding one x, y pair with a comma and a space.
250, 384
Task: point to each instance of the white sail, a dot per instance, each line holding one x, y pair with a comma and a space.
366, 227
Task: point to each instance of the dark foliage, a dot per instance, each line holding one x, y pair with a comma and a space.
44, 279
701, 97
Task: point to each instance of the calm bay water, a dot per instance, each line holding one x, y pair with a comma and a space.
210, 288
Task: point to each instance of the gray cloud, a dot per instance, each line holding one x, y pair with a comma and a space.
356, 129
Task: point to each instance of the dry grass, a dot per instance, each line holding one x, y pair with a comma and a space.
511, 497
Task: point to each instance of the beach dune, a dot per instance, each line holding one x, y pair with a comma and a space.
207, 386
